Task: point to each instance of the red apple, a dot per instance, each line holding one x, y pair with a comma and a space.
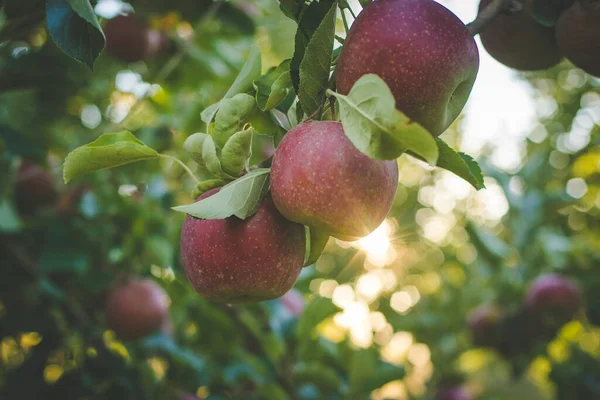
421, 50
453, 393
33, 188
578, 35
554, 299
483, 323
129, 39
519, 41
293, 302
319, 179
136, 309
243, 261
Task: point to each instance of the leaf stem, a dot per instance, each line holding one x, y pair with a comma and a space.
345, 20
350, 9
182, 164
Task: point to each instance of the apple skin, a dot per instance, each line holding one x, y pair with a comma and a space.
129, 39
453, 393
136, 309
243, 261
519, 41
553, 299
319, 179
34, 188
483, 322
578, 35
421, 50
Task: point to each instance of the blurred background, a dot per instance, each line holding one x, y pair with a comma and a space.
386, 317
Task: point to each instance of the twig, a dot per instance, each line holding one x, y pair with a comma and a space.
491, 11
182, 164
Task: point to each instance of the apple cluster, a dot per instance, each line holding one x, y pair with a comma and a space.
521, 41
318, 178
551, 301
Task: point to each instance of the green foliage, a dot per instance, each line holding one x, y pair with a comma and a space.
460, 164
315, 245
273, 87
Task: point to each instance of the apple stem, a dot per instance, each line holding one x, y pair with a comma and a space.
349, 9
182, 164
345, 20
491, 11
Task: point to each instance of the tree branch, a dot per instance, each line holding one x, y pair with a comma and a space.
491, 11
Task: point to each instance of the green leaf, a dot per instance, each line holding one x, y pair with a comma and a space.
211, 159
273, 87
108, 151
264, 124
232, 114
460, 164
318, 310
376, 128
316, 64
243, 83
75, 29
319, 374
207, 185
241, 198
291, 8
9, 218
193, 146
236, 152
315, 246
310, 20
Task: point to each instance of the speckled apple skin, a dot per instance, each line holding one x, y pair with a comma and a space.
421, 50
137, 309
519, 42
578, 35
319, 179
553, 293
243, 261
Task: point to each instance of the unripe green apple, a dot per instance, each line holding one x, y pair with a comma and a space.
421, 50
519, 41
578, 35
137, 309
242, 261
319, 179
129, 39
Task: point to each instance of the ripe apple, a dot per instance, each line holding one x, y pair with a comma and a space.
319, 179
553, 299
519, 41
34, 188
243, 261
578, 35
453, 393
129, 39
136, 309
421, 50
293, 301
483, 323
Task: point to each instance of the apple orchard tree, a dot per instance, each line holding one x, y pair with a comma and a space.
286, 221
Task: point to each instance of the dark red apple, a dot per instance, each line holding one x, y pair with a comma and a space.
453, 393
294, 302
34, 188
518, 41
243, 261
136, 309
483, 323
319, 179
421, 50
553, 298
578, 35
129, 39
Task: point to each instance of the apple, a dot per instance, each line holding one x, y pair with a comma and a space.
553, 299
518, 41
453, 393
129, 39
136, 309
34, 188
319, 179
422, 51
243, 261
293, 301
578, 35
483, 323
